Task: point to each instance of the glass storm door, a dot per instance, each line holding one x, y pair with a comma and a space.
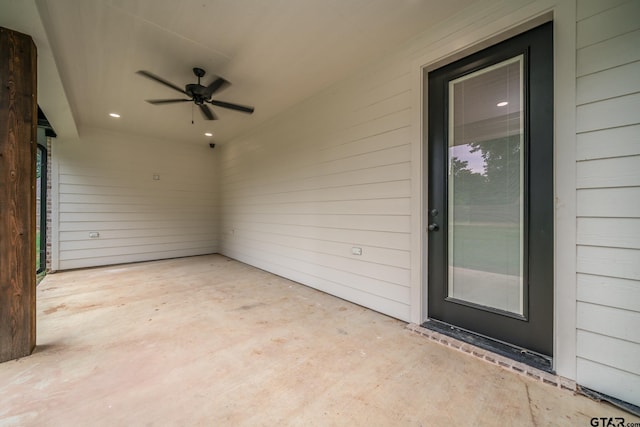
491, 192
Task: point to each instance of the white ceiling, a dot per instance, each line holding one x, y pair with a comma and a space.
275, 53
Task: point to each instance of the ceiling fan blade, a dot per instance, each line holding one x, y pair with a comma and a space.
207, 113
160, 80
166, 101
216, 85
237, 107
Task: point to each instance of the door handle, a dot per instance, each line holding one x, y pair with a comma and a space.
433, 227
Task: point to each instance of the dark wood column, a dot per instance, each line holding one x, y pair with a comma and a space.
18, 120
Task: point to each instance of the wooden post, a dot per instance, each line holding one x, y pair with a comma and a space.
18, 122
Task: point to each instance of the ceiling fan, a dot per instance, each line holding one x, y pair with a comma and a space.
198, 94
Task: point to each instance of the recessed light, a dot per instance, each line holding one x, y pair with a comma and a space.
208, 134
115, 115
502, 104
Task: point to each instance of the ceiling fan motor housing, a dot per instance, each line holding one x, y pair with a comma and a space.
198, 92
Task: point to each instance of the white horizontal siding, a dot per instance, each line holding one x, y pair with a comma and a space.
123, 250
609, 232
608, 197
612, 262
588, 8
376, 150
609, 291
610, 83
608, 350
106, 186
139, 255
609, 321
597, 348
609, 202
609, 53
609, 113
108, 242
365, 223
609, 172
372, 238
328, 176
614, 142
608, 380
608, 24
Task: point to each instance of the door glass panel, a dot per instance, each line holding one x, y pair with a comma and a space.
485, 187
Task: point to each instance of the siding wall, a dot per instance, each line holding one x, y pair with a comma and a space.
608, 197
105, 184
332, 174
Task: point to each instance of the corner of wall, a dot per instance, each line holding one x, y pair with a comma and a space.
565, 187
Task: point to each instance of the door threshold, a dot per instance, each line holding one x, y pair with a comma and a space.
546, 376
518, 354
442, 334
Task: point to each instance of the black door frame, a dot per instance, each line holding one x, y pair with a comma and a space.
42, 249
537, 46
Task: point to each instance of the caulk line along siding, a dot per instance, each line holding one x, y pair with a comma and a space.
106, 185
608, 197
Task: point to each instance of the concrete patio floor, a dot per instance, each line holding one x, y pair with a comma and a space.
211, 341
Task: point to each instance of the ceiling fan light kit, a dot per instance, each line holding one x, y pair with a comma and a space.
198, 94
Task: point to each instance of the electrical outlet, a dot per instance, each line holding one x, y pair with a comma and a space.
94, 234
356, 251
